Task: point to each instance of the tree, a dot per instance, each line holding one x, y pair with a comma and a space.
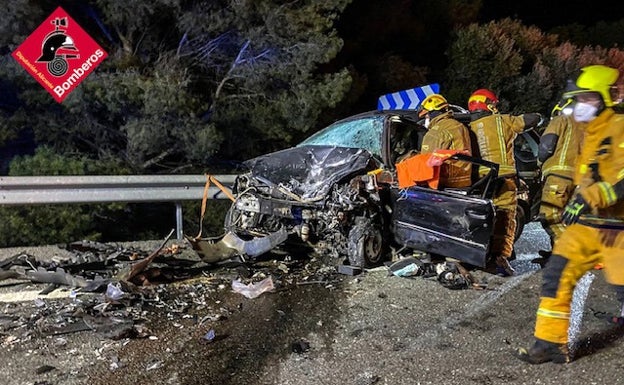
497, 55
34, 225
527, 68
187, 81
184, 83
260, 61
392, 45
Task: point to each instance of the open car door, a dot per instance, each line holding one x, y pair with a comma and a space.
454, 223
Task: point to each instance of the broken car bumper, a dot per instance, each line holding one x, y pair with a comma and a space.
230, 245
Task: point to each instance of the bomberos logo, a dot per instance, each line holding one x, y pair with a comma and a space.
59, 54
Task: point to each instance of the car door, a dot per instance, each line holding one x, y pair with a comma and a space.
452, 223
446, 223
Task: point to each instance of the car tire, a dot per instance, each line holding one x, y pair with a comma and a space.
365, 243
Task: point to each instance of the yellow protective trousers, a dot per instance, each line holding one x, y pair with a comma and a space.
555, 194
504, 231
576, 251
551, 221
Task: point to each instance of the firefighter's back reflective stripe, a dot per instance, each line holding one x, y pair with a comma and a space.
501, 140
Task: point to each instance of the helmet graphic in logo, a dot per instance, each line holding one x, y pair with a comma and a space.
57, 47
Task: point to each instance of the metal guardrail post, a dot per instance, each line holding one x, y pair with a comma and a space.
179, 230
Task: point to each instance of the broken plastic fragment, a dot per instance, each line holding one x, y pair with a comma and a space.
59, 276
300, 346
114, 292
154, 365
44, 369
210, 335
407, 267
253, 290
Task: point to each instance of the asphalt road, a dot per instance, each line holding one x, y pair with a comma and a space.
370, 329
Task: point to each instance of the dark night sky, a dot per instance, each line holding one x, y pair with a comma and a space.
548, 14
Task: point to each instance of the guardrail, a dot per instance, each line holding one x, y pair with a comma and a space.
41, 190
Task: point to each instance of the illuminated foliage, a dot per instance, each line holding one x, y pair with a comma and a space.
527, 68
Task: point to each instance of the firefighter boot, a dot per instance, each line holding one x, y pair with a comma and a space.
544, 351
503, 268
543, 258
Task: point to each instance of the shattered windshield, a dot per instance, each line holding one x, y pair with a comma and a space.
360, 133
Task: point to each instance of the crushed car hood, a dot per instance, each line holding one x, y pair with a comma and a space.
309, 171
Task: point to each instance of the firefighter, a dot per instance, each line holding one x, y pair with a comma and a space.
594, 216
559, 147
495, 134
446, 133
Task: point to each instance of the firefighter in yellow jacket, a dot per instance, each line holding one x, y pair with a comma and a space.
446, 133
495, 134
559, 148
594, 216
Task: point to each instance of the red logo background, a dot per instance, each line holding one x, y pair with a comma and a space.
61, 81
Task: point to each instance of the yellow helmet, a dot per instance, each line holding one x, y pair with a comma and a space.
433, 102
594, 78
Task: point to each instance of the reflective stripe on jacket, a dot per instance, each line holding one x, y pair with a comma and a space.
567, 146
495, 135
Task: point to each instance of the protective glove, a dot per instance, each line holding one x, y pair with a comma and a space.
541, 121
574, 209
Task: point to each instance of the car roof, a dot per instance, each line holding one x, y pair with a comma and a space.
411, 115
459, 113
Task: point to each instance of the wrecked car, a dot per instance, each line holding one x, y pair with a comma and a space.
337, 192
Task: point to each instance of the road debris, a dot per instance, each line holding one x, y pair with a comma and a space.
209, 336
119, 294
450, 274
300, 346
253, 290
349, 270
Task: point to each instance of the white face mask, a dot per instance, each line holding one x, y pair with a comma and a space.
427, 121
584, 112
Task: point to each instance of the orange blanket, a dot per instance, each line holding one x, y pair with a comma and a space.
422, 168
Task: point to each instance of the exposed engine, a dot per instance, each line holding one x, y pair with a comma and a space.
262, 208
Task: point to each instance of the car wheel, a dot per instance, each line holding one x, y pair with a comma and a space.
520, 221
365, 243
